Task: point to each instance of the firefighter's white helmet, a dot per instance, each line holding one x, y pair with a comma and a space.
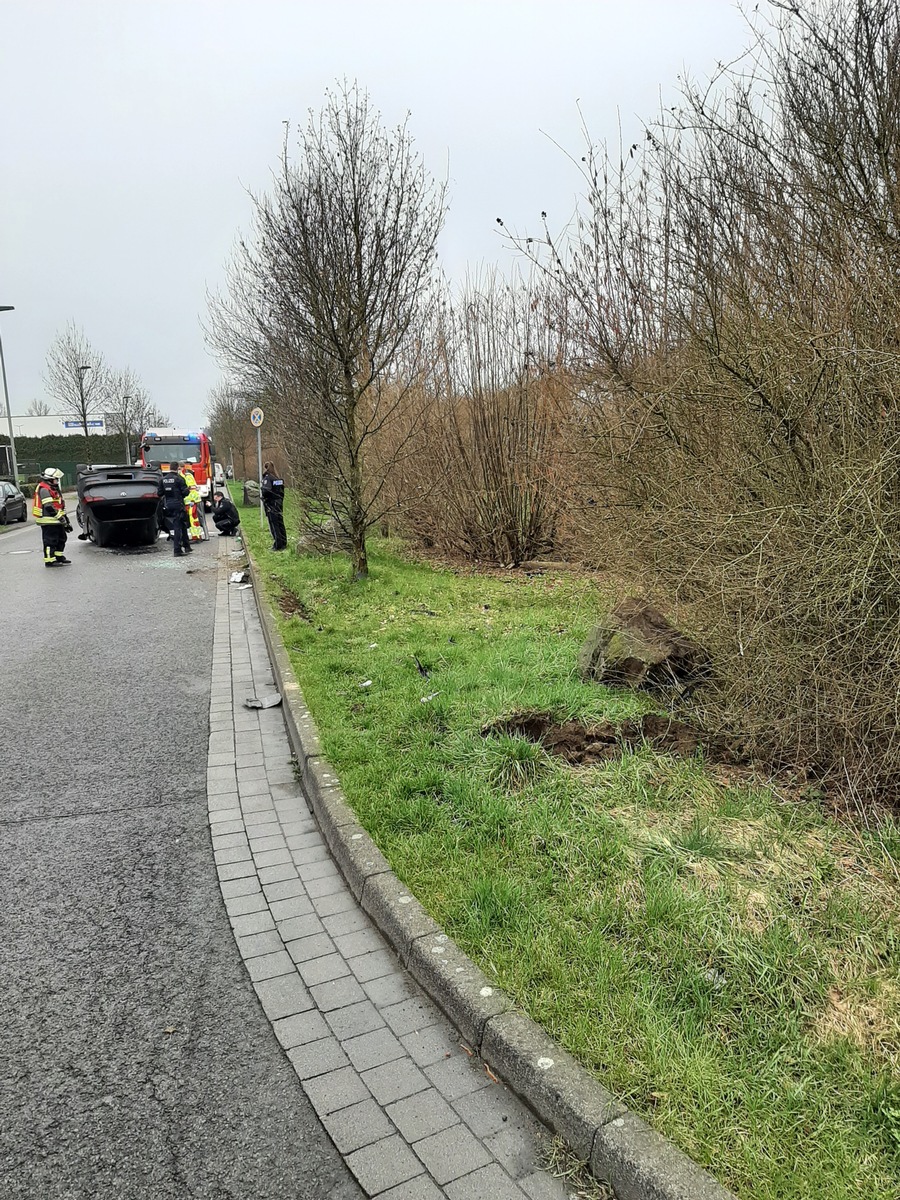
50, 473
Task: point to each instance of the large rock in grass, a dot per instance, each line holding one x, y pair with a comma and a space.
637, 647
326, 538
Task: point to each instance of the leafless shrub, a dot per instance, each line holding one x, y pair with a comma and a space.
737, 281
491, 437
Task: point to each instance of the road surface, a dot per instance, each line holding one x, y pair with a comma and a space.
135, 1060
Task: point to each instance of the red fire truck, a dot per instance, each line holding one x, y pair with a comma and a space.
160, 447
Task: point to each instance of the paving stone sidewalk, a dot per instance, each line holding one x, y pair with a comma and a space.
415, 1116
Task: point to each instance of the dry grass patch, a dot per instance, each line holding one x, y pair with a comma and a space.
869, 1022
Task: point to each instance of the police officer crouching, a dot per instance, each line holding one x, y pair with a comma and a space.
225, 516
174, 492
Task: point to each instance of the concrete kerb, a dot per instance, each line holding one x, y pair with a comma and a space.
641, 1164
399, 915
450, 977
621, 1149
562, 1094
357, 856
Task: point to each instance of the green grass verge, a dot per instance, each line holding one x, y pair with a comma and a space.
725, 961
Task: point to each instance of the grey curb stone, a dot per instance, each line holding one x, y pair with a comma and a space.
398, 914
332, 811
318, 778
562, 1093
640, 1163
456, 985
357, 856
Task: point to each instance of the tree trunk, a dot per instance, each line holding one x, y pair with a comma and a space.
359, 562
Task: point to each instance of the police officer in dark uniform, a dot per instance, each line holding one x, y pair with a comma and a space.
226, 517
272, 491
174, 490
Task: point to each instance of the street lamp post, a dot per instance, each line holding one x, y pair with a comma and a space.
12, 440
125, 400
87, 434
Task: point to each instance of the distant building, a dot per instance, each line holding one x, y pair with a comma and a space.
28, 426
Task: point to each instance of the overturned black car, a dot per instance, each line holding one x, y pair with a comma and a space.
118, 505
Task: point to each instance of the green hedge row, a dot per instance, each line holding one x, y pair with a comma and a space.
103, 447
58, 450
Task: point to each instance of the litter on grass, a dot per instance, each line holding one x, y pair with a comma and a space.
263, 701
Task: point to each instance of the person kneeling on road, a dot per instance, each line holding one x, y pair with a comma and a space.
225, 516
174, 492
49, 511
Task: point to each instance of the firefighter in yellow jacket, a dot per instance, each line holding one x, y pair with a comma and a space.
195, 532
49, 511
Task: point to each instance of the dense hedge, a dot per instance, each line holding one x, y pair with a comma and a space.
58, 450
105, 447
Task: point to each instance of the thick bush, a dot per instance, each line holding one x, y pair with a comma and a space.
737, 293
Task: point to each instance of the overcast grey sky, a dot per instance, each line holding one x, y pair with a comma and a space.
132, 129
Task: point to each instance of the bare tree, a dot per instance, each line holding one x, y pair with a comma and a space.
38, 408
228, 421
77, 376
130, 412
324, 302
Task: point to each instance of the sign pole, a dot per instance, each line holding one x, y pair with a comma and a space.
262, 520
256, 420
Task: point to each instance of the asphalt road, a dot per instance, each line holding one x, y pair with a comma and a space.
135, 1061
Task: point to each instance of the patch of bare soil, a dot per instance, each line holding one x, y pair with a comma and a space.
293, 606
584, 745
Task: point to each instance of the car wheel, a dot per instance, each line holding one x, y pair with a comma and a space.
24, 516
3, 515
96, 531
149, 532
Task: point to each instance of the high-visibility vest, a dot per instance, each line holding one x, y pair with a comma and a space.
191, 500
45, 494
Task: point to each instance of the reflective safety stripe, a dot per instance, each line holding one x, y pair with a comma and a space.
43, 495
